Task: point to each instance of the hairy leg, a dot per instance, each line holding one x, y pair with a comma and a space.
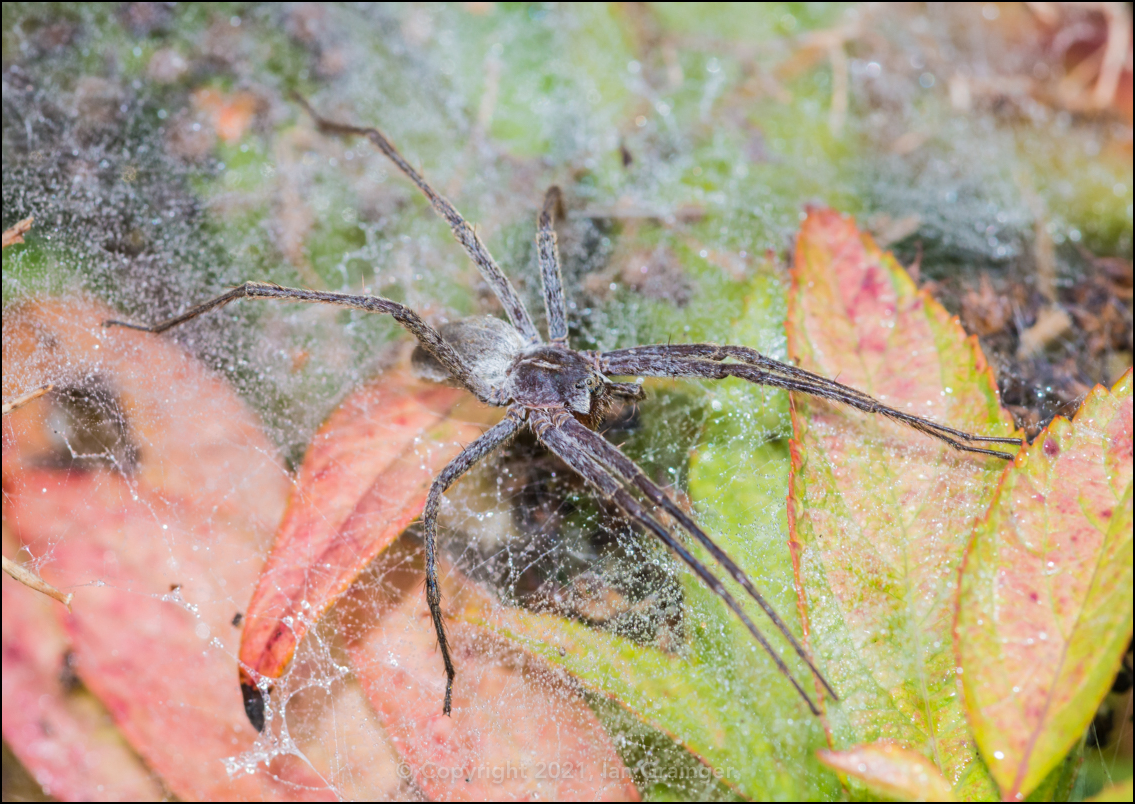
492, 438
682, 360
462, 231
610, 456
626, 390
588, 466
429, 337
550, 268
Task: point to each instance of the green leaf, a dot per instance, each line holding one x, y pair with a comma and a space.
717, 717
879, 514
1045, 609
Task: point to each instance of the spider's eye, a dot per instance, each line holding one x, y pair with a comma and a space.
582, 385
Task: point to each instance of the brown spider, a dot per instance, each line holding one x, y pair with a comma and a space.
562, 395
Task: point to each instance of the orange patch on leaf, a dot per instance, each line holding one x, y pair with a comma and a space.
520, 730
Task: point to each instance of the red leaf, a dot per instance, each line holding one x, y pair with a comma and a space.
59, 734
185, 427
152, 635
161, 550
364, 479
520, 730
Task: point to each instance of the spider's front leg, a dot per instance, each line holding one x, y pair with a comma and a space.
490, 440
704, 360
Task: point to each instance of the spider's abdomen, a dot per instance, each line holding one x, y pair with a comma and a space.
486, 344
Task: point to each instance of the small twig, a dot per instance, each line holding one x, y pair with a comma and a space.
17, 572
33, 581
20, 401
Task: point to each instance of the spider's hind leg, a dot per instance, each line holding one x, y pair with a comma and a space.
609, 456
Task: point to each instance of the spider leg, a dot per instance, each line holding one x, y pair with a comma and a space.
611, 457
680, 361
744, 354
462, 231
577, 456
492, 438
430, 338
550, 268
626, 390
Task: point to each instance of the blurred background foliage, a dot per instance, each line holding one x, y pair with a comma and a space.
989, 145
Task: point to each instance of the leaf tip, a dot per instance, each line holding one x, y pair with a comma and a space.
1122, 386
253, 705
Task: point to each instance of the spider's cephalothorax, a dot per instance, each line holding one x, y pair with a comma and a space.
562, 395
554, 377
541, 376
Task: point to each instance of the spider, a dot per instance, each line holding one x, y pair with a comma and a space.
562, 395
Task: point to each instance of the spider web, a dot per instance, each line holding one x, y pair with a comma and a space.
141, 203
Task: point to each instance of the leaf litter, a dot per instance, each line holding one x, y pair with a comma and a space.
158, 558
160, 561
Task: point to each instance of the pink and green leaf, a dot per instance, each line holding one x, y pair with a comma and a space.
879, 514
1045, 609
